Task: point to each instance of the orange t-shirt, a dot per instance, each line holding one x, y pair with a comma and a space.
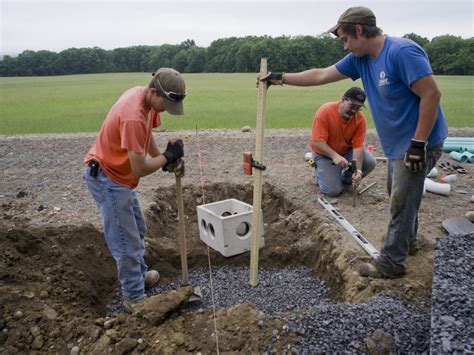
340, 135
128, 126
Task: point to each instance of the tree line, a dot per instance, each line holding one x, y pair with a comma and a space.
449, 55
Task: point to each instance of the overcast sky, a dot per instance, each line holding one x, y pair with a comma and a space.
58, 25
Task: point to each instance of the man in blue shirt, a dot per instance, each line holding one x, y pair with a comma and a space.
405, 103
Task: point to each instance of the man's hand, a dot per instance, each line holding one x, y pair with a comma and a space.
341, 162
177, 167
356, 178
174, 150
272, 78
415, 157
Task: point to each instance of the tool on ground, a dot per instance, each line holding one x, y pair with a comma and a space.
354, 171
364, 243
250, 163
360, 192
257, 187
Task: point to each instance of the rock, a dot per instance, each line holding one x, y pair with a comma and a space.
18, 315
50, 313
125, 345
246, 129
29, 295
35, 331
108, 324
75, 350
157, 308
380, 343
470, 215
44, 294
37, 343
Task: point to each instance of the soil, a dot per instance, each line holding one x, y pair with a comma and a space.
57, 276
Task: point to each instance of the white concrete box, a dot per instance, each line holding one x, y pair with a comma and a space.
226, 226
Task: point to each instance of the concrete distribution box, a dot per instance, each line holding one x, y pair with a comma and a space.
226, 226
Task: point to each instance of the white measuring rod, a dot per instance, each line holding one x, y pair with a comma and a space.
364, 243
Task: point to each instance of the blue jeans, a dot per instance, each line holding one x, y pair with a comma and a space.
405, 189
124, 230
331, 178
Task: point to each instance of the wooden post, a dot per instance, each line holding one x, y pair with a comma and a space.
257, 186
181, 236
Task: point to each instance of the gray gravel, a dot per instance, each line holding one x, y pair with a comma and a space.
452, 323
301, 300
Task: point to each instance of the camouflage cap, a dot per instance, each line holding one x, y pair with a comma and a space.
355, 15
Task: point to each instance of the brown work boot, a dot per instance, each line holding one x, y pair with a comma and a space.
372, 269
151, 278
133, 306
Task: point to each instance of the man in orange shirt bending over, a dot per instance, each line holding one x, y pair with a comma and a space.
337, 137
123, 152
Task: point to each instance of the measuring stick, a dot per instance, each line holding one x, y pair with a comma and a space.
364, 243
257, 185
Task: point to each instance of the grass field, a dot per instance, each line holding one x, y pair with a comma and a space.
79, 103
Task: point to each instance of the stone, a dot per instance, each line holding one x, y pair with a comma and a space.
380, 343
50, 313
75, 350
246, 129
125, 345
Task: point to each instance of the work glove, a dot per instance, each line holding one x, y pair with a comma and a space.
174, 150
177, 168
272, 78
415, 157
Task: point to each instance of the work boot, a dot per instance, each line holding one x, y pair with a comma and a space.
373, 269
133, 306
151, 278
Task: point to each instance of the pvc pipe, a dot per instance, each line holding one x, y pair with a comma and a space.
465, 139
433, 173
437, 188
469, 155
448, 178
459, 157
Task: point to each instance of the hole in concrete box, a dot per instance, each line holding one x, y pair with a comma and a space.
211, 230
204, 226
243, 230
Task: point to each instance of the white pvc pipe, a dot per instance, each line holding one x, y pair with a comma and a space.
437, 188
433, 173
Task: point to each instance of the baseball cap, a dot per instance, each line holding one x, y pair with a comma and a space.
356, 96
170, 84
355, 15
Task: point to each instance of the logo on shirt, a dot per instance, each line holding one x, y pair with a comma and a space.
383, 80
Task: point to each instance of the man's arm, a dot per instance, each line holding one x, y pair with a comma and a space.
153, 149
428, 92
313, 77
327, 151
141, 166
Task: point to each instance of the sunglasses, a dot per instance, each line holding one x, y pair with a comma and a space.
173, 96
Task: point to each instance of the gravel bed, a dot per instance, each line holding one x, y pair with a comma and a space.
452, 323
301, 300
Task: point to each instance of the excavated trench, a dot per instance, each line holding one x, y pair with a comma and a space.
294, 236
57, 284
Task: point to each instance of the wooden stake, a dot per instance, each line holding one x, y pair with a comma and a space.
181, 236
257, 186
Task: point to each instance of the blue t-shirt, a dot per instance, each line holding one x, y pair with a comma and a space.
387, 80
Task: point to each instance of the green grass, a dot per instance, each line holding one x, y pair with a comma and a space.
79, 103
